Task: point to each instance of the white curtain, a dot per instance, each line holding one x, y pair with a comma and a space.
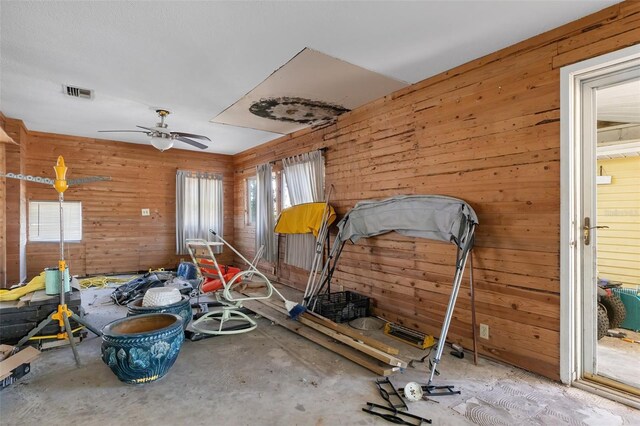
199, 207
265, 218
305, 180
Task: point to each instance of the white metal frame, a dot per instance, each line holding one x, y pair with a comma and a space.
577, 85
231, 302
314, 281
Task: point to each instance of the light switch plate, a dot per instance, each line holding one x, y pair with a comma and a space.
145, 212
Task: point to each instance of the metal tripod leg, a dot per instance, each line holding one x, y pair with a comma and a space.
68, 329
88, 326
457, 281
473, 309
36, 330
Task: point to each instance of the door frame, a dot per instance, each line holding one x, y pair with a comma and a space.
575, 331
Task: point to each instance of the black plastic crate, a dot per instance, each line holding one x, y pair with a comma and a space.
342, 306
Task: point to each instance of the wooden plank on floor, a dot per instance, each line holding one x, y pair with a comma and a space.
350, 341
320, 339
352, 333
347, 340
347, 331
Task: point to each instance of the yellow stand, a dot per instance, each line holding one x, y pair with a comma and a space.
61, 185
63, 313
59, 315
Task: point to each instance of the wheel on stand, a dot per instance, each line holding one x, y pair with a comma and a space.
616, 311
603, 321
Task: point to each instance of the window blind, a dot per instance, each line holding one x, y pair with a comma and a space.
44, 221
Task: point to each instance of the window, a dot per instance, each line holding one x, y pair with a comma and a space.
304, 175
274, 191
285, 200
280, 197
44, 221
199, 208
251, 201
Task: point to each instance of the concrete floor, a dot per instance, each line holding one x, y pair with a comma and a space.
620, 360
274, 377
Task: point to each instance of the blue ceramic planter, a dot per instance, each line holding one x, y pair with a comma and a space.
142, 348
181, 308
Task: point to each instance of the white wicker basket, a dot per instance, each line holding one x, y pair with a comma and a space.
161, 296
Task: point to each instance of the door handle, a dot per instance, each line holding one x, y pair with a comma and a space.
586, 229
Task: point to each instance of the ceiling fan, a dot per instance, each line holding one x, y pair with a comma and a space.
162, 138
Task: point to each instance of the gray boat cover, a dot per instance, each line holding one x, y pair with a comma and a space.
435, 217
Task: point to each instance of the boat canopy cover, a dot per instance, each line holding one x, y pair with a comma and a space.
435, 217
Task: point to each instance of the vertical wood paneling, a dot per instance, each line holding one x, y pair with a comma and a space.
3, 213
15, 202
13, 217
116, 238
487, 132
23, 204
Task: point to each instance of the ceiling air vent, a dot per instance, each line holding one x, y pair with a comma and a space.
77, 92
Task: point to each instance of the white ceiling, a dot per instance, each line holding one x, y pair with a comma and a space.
197, 58
620, 103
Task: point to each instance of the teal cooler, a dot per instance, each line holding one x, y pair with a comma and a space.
631, 300
52, 281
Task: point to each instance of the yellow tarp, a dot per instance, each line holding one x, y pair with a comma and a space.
303, 218
37, 283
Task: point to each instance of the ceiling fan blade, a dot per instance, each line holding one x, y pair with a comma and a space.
155, 129
191, 135
191, 142
120, 131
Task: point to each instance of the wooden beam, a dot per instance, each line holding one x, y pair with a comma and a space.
347, 340
347, 331
350, 341
319, 338
5, 138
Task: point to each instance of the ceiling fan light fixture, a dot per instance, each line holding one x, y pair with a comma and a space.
163, 139
161, 143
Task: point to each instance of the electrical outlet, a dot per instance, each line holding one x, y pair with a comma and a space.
484, 331
145, 212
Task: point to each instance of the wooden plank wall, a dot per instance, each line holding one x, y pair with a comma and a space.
116, 238
3, 212
14, 190
487, 132
15, 205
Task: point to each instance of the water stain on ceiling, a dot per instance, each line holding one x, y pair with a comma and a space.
296, 110
309, 89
